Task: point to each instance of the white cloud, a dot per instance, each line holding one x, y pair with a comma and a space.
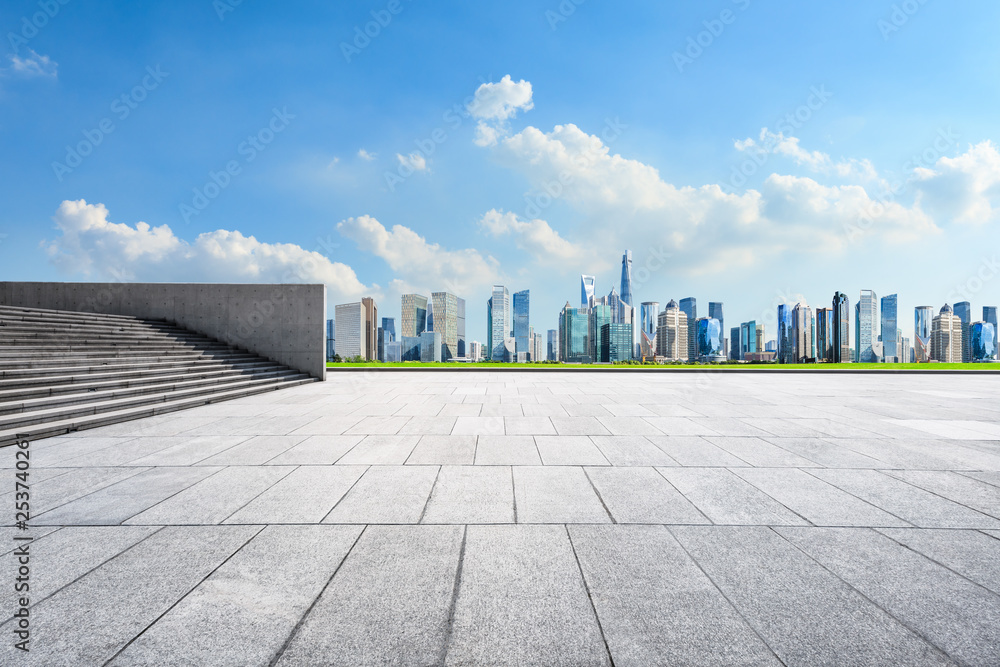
419, 262
496, 103
415, 161
91, 245
534, 236
964, 188
778, 144
33, 65
366, 156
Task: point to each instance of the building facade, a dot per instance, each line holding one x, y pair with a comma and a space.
522, 325
709, 339
923, 317
841, 341
963, 311
890, 326
574, 344
331, 337
689, 306
553, 345
786, 335
445, 307
671, 333
498, 322
946, 337
867, 327
802, 332
413, 315
982, 341
587, 291
350, 323
824, 334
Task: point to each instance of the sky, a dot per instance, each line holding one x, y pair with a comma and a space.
745, 152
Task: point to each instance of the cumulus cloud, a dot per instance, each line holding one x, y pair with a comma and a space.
496, 103
366, 156
963, 189
417, 261
534, 236
414, 161
90, 245
777, 143
33, 65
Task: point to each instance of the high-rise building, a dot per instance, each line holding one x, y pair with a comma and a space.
735, 344
760, 337
461, 327
709, 339
331, 331
431, 347
841, 340
922, 320
867, 327
538, 347
786, 335
749, 341
802, 332
946, 336
574, 344
982, 341
386, 335
647, 329
905, 351
626, 292
890, 324
990, 315
689, 307
371, 328
587, 291
963, 311
350, 323
715, 310
616, 341
521, 302
600, 315
553, 347
824, 334
430, 315
393, 352
413, 316
445, 308
498, 322
476, 351
671, 333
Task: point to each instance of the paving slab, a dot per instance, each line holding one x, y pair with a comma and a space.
213, 499
255, 451
656, 606
805, 614
815, 500
631, 450
317, 450
90, 621
961, 489
956, 615
243, 613
189, 451
386, 494
444, 450
121, 501
970, 553
556, 494
727, 499
472, 494
567, 450
522, 601
693, 450
507, 450
61, 489
760, 453
381, 450
306, 495
642, 495
407, 574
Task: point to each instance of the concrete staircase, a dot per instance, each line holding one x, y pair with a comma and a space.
65, 371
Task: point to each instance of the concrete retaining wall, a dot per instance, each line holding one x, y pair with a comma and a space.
285, 323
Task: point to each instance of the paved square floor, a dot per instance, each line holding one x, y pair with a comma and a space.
504, 518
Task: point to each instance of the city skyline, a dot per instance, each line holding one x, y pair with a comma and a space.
792, 168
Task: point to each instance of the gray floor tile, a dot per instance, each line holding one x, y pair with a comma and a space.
306, 495
507, 450
693, 450
970, 553
381, 450
729, 500
556, 494
386, 494
472, 494
642, 495
569, 450
478, 426
444, 450
317, 450
964, 490
528, 577
759, 453
255, 451
631, 450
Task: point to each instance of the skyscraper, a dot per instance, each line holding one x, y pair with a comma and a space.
573, 341
735, 347
963, 311
868, 327
371, 328
749, 342
990, 315
715, 310
330, 340
445, 308
616, 341
461, 327
600, 315
709, 339
386, 335
413, 316
498, 318
922, 322
553, 347
890, 324
946, 336
841, 340
786, 335
521, 322
671, 333
647, 330
350, 323
617, 307
982, 341
626, 291
689, 307
801, 332
587, 290
824, 334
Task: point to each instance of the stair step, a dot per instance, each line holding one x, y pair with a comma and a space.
70, 379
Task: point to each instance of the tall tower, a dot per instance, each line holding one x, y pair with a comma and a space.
841, 338
626, 291
867, 327
413, 321
890, 339
963, 311
522, 334
922, 321
499, 318
689, 307
587, 290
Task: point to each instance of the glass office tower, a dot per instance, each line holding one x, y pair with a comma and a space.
413, 317
497, 322
715, 310
824, 334
923, 319
587, 293
841, 340
599, 316
867, 327
963, 311
982, 341
890, 335
330, 340
990, 315
786, 335
522, 342
689, 307
445, 307
709, 339
749, 344
616, 342
734, 343
573, 335
626, 291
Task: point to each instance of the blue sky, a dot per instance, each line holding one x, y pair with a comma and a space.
247, 143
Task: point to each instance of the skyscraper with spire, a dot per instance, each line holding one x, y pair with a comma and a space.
587, 291
626, 291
